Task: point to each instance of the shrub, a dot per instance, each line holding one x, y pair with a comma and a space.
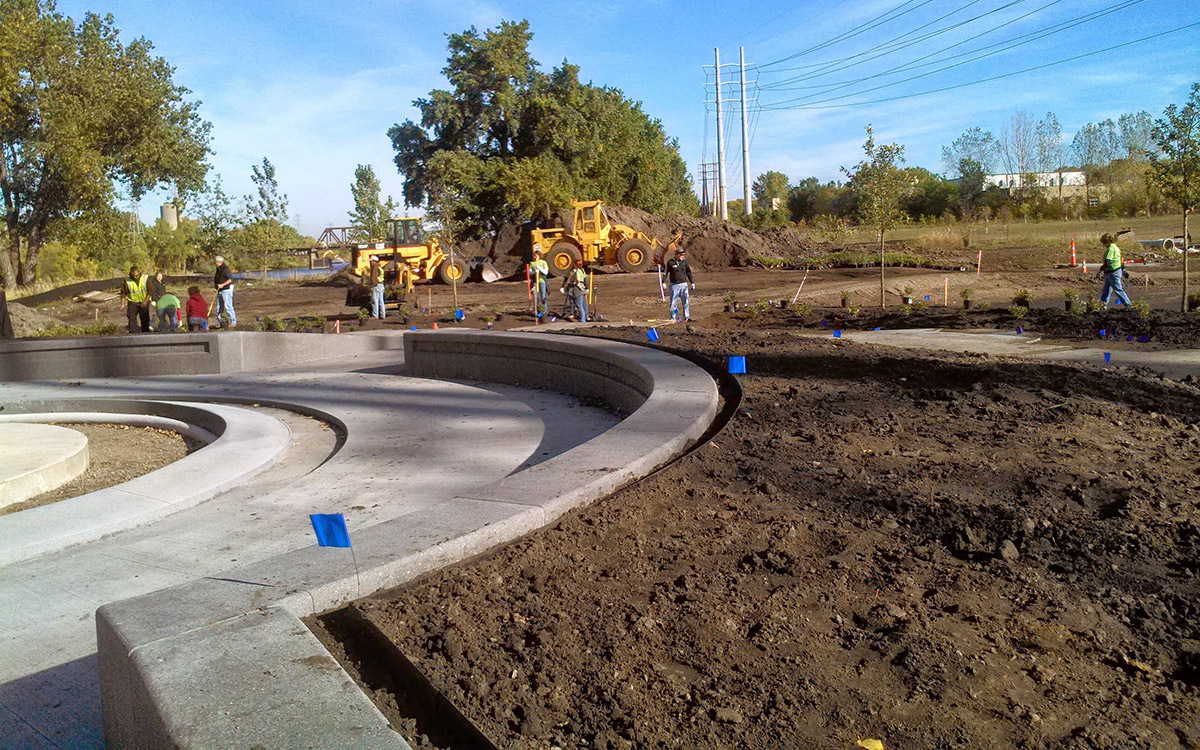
1018, 311
1093, 305
966, 293
1070, 294
1142, 308
804, 309
1023, 297
905, 310
854, 310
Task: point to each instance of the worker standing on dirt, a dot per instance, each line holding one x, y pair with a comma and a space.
197, 310
155, 288
137, 302
540, 271
1113, 269
223, 281
375, 280
679, 276
575, 287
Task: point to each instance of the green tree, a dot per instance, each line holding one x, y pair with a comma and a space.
265, 216
80, 113
1176, 167
370, 214
970, 188
879, 184
768, 187
509, 141
976, 144
928, 195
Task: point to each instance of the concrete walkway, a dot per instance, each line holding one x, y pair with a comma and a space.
410, 445
1174, 363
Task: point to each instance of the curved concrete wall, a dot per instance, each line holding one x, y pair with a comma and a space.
243, 642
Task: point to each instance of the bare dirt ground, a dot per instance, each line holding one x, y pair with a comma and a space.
931, 550
116, 454
945, 552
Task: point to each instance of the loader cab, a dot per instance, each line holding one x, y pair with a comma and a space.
591, 221
405, 232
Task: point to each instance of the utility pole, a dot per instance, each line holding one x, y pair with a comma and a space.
747, 202
722, 203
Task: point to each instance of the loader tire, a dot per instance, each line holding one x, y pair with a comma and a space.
452, 271
562, 258
634, 256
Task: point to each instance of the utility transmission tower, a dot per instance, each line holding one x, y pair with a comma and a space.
719, 97
708, 189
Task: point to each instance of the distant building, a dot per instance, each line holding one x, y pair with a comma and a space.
1045, 180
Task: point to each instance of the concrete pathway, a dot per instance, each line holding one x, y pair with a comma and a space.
1174, 363
410, 444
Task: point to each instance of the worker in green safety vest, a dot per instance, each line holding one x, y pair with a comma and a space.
1113, 269
137, 302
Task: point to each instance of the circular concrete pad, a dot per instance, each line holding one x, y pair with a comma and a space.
36, 458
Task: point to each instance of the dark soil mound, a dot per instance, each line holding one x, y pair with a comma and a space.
934, 552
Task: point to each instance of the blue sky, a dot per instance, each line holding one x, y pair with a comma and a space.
314, 86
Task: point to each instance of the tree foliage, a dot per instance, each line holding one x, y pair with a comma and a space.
81, 113
1176, 166
879, 184
770, 186
263, 231
509, 141
370, 213
976, 144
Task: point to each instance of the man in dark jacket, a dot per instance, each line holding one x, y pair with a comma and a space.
223, 281
679, 276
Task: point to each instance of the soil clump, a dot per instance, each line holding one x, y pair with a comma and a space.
949, 551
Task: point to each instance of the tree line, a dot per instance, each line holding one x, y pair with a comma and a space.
1117, 159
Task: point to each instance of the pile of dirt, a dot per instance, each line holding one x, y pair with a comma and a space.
27, 321
934, 552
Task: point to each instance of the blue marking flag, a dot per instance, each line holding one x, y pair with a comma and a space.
837, 334
652, 334
1108, 356
331, 529
737, 365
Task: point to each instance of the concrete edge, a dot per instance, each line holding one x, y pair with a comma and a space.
65, 457
247, 443
657, 390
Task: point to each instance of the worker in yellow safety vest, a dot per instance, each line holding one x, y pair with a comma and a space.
137, 302
540, 271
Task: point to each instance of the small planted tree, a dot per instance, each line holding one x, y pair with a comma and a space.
1177, 170
879, 184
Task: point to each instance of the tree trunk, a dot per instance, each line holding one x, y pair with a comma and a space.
1184, 302
881, 293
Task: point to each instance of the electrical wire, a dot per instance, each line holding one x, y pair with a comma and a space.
1005, 45
857, 30
820, 105
999, 48
893, 45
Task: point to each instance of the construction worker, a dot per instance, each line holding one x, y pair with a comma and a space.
375, 281
575, 287
137, 302
679, 276
1113, 269
540, 271
223, 283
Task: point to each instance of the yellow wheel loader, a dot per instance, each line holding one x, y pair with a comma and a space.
407, 256
595, 239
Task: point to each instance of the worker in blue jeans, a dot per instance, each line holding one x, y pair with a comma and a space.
679, 276
1113, 269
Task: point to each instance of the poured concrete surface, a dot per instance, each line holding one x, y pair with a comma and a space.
36, 458
410, 445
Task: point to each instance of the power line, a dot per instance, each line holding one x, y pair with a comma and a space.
860, 29
893, 45
818, 105
1005, 45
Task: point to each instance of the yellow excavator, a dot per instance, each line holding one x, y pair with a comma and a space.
595, 239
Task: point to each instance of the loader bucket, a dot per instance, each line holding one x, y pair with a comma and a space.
488, 272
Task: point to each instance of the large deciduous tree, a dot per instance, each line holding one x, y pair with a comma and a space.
1176, 166
80, 113
879, 185
977, 145
509, 141
768, 187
